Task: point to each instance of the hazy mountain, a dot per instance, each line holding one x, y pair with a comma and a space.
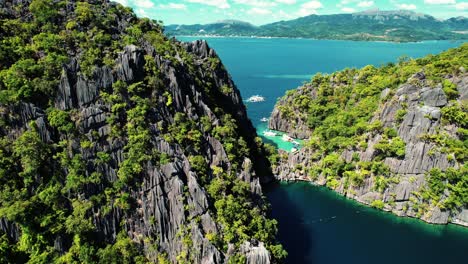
224, 27
368, 25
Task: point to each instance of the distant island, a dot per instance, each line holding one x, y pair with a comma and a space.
372, 25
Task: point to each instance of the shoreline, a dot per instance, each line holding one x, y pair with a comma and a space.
312, 183
324, 39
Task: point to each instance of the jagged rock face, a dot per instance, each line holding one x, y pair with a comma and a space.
171, 203
295, 124
161, 212
423, 105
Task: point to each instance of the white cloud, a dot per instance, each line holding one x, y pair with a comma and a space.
462, 6
256, 3
122, 2
312, 5
365, 4
223, 4
309, 8
141, 12
259, 11
288, 2
281, 14
440, 2
407, 6
144, 3
345, 2
348, 10
172, 6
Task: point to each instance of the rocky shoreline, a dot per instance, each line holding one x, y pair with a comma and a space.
308, 180
422, 106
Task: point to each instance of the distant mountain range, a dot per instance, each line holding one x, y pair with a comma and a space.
372, 25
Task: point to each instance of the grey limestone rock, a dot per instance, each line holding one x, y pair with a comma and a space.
434, 97
256, 253
423, 108
170, 199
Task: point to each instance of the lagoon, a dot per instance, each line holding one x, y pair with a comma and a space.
317, 225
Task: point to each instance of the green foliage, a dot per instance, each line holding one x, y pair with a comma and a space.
32, 153
458, 186
168, 98
395, 147
453, 180
435, 182
84, 12
272, 154
379, 204
184, 131
450, 89
90, 60
60, 120
43, 10
225, 89
239, 217
357, 177
137, 148
79, 221
456, 114
201, 167
400, 115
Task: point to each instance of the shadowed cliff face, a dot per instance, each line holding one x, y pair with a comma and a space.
400, 148
150, 144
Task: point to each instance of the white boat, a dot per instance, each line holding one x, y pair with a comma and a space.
256, 99
294, 150
264, 119
287, 138
269, 133
296, 143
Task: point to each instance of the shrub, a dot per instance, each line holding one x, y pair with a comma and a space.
43, 10
379, 204
60, 120
455, 114
400, 115
391, 148
450, 90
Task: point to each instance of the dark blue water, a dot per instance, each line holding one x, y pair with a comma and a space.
316, 225
319, 226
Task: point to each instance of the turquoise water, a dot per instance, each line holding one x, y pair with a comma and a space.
317, 225
270, 67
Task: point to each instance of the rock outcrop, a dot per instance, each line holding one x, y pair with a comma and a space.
414, 111
170, 213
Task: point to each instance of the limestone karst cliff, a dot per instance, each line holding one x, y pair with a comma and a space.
393, 137
119, 145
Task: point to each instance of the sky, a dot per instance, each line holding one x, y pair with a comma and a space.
260, 12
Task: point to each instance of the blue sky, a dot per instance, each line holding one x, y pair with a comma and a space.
262, 11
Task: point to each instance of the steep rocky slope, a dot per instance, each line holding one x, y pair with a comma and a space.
393, 137
118, 145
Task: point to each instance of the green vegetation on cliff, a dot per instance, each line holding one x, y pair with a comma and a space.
68, 189
372, 129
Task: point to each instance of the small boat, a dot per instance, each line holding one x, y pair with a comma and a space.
296, 143
269, 133
256, 99
287, 138
293, 150
264, 119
